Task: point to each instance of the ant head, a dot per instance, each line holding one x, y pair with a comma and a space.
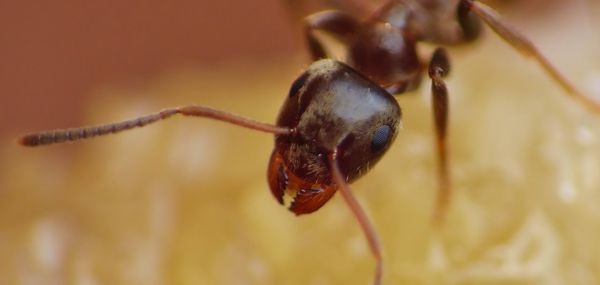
332, 108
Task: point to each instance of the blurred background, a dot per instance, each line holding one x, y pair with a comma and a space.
186, 201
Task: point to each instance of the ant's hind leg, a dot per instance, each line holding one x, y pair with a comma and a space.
340, 25
439, 67
526, 47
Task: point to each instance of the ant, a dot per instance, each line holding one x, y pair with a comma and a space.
340, 118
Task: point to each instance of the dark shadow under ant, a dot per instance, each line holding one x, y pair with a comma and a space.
340, 118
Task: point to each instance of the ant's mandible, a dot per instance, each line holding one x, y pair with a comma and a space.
340, 118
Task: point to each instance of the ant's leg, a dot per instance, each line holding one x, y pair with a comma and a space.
73, 134
526, 47
359, 214
340, 25
439, 67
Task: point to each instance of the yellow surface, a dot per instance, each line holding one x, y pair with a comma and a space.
186, 201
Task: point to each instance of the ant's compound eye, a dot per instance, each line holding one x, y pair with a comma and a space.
381, 137
298, 83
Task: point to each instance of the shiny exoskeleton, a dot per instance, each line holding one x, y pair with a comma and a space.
383, 47
340, 118
330, 107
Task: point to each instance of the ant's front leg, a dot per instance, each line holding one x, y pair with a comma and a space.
340, 25
439, 67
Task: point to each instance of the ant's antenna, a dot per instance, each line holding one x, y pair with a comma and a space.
74, 134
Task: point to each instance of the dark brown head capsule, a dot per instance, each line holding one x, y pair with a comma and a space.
330, 107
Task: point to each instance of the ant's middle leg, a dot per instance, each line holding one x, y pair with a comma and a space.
340, 25
439, 67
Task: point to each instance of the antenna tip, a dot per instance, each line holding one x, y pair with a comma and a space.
28, 140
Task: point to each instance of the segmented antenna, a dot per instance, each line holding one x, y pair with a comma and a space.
74, 134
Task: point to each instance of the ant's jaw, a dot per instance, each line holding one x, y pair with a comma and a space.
298, 195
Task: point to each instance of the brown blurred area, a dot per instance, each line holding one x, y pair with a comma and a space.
53, 54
